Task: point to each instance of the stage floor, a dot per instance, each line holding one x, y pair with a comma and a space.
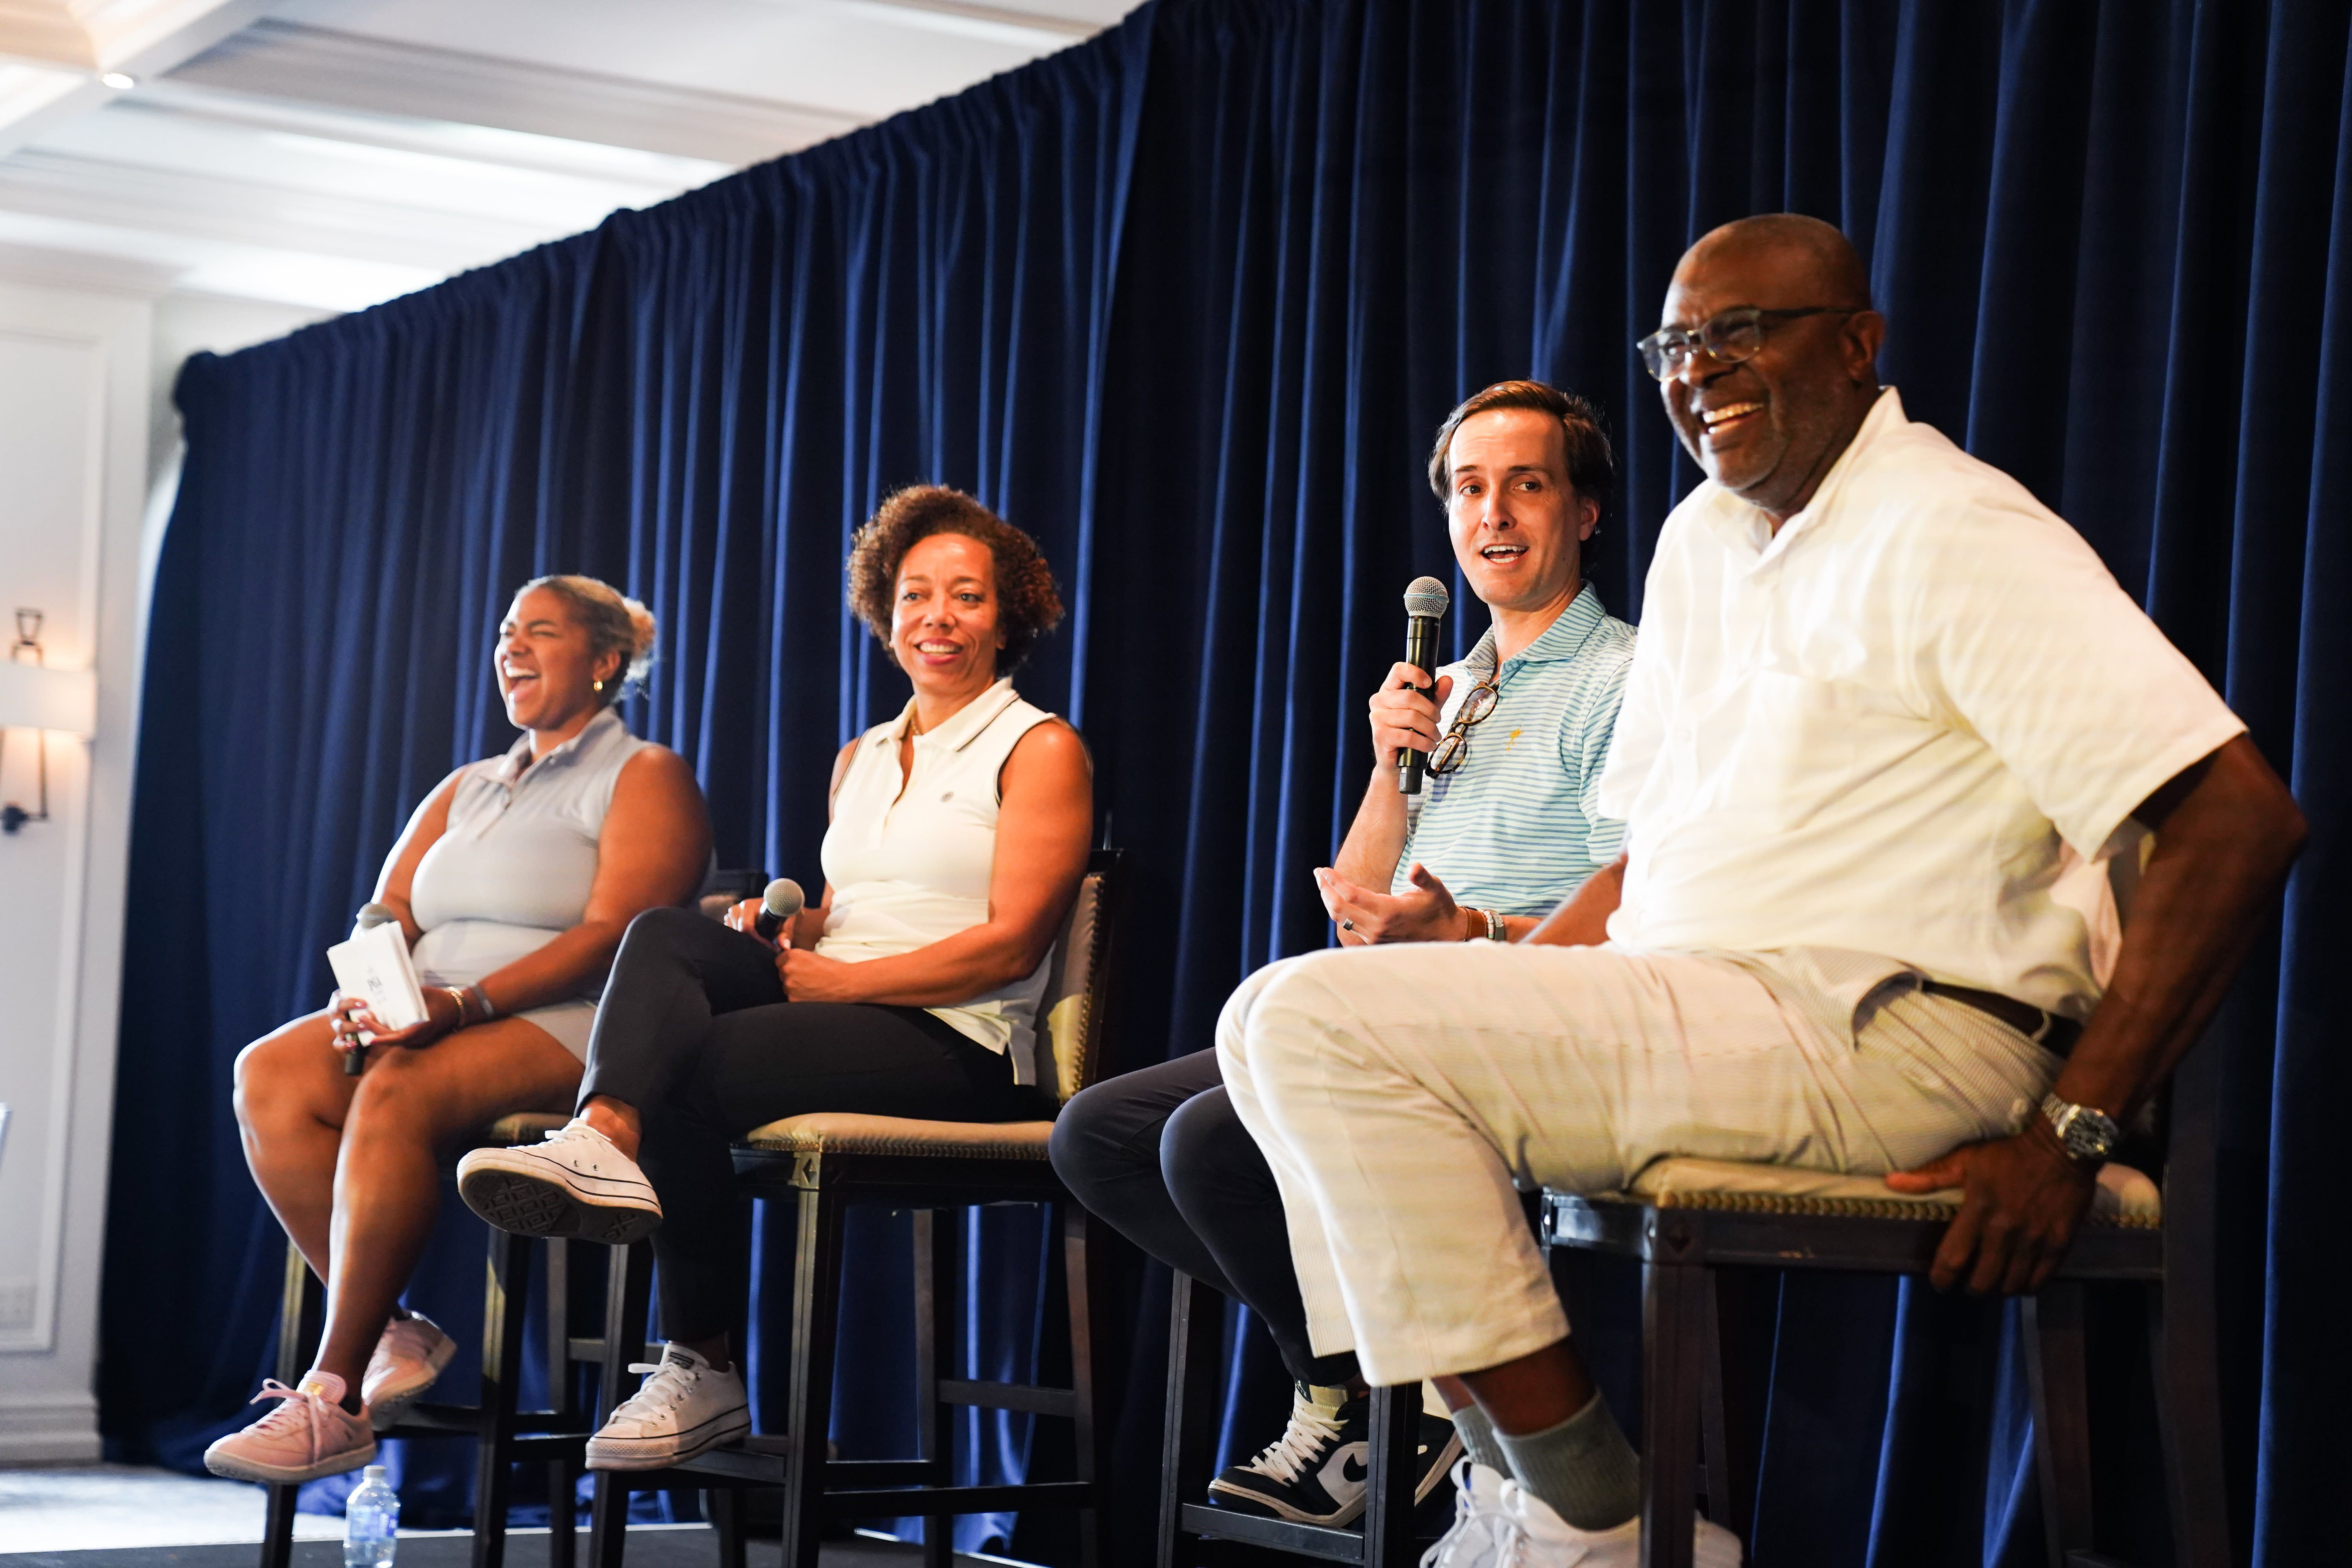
123, 1516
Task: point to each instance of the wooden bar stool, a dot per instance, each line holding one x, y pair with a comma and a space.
1682, 1219
822, 1164
1192, 1533
505, 1433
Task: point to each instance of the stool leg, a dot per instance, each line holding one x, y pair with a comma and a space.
725, 1507
564, 1403
563, 1528
1082, 1264
1196, 1321
506, 1284
817, 1306
1388, 1485
628, 1289
935, 1343
1674, 1319
301, 1306
2181, 1339
2062, 1416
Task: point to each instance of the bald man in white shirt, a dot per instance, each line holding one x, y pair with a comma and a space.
1880, 693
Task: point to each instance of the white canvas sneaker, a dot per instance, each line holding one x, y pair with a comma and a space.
575, 1183
408, 1359
1476, 1540
682, 1409
1539, 1538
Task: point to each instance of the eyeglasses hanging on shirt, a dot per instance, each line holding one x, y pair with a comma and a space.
1478, 702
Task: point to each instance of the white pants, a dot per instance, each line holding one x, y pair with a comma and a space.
1402, 1095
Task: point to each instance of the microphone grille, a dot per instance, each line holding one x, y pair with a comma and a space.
783, 898
1426, 597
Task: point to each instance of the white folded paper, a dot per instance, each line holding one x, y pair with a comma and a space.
375, 964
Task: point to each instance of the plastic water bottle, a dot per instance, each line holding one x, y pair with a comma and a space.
371, 1522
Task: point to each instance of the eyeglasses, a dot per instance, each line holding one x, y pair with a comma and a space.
1476, 705
1731, 337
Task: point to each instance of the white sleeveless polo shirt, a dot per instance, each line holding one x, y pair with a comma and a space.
911, 866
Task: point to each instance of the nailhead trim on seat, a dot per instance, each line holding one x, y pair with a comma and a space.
837, 1131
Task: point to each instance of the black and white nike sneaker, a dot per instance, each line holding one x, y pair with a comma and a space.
1315, 1473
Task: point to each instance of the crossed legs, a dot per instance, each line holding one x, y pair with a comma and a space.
348, 1164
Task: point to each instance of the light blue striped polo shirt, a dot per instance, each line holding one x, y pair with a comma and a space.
1517, 828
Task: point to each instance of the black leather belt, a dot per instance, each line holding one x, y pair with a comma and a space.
2048, 1030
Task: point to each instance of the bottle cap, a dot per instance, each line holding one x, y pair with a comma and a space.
376, 1472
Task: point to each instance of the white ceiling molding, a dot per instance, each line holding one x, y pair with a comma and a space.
366, 228
62, 48
84, 270
129, 35
290, 60
989, 24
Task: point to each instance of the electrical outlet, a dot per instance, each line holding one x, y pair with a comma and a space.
15, 1305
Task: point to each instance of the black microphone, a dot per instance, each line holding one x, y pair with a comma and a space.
369, 917
1424, 606
777, 905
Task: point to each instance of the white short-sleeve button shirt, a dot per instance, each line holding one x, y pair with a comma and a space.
1877, 731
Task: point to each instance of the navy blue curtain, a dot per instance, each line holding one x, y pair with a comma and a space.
1187, 303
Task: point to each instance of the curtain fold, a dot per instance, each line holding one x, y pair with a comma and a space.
1188, 303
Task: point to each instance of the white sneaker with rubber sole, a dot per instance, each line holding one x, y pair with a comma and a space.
575, 1183
408, 1359
1476, 1539
683, 1408
1536, 1537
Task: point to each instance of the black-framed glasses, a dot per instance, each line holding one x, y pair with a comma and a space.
1729, 338
1477, 704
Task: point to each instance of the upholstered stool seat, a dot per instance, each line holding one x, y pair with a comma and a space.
2125, 1197
843, 1133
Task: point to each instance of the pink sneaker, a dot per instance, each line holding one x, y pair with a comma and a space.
308, 1436
408, 1360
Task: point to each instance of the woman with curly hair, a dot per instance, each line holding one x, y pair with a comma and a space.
513, 883
959, 836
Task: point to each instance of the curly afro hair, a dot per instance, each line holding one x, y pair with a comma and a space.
1028, 606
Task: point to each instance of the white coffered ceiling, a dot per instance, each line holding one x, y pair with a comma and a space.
332, 154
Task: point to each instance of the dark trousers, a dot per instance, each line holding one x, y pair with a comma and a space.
1160, 1155
694, 1032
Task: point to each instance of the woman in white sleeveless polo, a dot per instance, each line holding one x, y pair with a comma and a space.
958, 837
514, 881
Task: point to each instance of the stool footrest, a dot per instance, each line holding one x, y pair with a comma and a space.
1010, 1396
1281, 1534
930, 1501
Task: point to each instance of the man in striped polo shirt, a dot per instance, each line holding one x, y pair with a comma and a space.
1519, 730
1504, 830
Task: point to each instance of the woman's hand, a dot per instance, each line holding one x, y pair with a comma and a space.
741, 916
812, 977
442, 1017
1402, 716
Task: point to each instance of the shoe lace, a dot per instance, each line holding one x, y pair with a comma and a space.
573, 1132
667, 1388
1311, 1430
300, 1407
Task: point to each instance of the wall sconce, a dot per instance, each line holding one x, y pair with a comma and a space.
35, 697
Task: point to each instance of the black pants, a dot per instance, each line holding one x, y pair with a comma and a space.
1160, 1154
694, 1032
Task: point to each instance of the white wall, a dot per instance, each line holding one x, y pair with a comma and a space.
88, 456
74, 378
